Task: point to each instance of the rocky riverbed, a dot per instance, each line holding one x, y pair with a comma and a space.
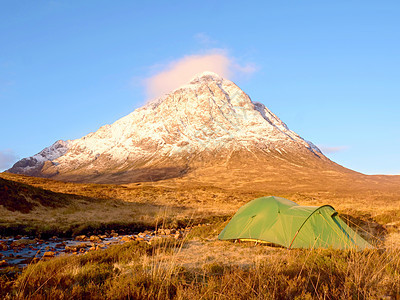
23, 250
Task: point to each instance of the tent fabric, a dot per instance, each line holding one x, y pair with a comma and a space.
283, 222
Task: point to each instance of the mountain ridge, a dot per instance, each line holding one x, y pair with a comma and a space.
209, 121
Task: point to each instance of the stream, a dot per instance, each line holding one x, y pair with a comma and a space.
21, 251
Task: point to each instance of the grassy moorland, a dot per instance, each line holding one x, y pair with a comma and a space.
200, 266
80, 207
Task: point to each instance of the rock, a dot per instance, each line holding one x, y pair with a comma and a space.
126, 238
167, 231
103, 236
95, 238
82, 246
178, 235
3, 263
139, 238
92, 248
70, 249
141, 234
35, 260
60, 245
114, 234
173, 231
3, 247
81, 238
49, 254
1, 255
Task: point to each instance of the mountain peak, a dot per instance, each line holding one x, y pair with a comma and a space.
206, 76
204, 123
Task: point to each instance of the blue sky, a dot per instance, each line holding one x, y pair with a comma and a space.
329, 69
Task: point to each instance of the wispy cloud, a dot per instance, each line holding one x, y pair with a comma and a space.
7, 158
180, 71
327, 149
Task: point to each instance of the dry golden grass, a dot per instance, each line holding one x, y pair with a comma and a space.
203, 268
371, 202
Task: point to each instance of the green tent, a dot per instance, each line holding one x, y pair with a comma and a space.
280, 221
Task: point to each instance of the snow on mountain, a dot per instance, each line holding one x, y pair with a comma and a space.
206, 116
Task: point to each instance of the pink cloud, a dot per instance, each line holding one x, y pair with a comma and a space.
181, 71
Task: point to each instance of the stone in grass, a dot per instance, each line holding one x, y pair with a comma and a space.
95, 239
178, 235
81, 238
35, 260
3, 263
70, 249
49, 254
126, 238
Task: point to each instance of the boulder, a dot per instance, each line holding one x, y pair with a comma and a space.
70, 249
49, 254
82, 246
178, 235
126, 238
95, 238
3, 263
35, 260
81, 238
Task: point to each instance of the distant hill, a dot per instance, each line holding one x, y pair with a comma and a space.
207, 131
16, 196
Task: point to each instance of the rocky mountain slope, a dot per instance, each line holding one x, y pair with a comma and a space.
210, 122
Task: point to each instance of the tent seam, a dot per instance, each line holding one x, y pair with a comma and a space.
297, 232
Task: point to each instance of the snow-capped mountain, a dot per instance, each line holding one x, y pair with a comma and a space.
208, 121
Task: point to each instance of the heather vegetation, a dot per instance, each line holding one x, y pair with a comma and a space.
198, 266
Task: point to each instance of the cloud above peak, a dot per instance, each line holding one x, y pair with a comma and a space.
178, 72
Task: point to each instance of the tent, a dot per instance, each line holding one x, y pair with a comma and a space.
283, 222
